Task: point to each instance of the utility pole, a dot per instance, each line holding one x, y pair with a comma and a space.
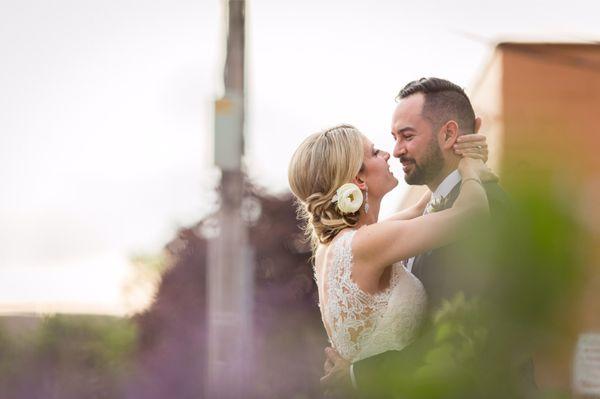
230, 271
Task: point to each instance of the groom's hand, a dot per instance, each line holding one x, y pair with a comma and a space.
337, 372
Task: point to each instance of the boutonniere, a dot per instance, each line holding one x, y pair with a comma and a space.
436, 205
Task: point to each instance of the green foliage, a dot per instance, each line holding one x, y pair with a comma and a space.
527, 268
100, 342
67, 356
451, 362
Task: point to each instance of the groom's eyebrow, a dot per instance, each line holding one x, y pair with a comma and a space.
405, 129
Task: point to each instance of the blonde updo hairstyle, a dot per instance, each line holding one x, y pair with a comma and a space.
321, 164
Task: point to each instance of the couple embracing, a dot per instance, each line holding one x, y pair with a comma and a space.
379, 280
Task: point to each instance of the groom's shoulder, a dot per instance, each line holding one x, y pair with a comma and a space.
498, 198
494, 189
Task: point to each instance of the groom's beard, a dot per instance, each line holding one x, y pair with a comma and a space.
427, 168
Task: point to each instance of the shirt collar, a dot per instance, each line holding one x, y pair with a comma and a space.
446, 185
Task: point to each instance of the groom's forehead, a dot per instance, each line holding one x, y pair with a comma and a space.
410, 106
408, 114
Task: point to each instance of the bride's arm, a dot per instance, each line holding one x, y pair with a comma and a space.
381, 244
412, 211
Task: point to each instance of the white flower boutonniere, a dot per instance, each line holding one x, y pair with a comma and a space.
349, 198
437, 205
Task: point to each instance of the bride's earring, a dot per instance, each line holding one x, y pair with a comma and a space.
366, 199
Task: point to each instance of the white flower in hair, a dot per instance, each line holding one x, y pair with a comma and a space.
349, 198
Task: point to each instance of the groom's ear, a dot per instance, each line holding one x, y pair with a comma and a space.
449, 134
477, 125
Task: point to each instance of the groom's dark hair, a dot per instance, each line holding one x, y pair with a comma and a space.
444, 101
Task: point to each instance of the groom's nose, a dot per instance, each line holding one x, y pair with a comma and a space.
399, 149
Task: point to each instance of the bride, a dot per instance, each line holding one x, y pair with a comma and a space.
369, 302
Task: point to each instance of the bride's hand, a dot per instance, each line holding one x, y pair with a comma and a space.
472, 146
468, 166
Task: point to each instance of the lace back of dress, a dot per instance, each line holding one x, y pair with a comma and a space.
350, 313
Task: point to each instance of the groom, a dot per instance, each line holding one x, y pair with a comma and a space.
431, 114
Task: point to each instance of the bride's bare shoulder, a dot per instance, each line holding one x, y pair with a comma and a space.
370, 239
365, 234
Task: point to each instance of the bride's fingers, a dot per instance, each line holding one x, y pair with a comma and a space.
473, 155
465, 138
326, 379
480, 153
328, 366
482, 150
471, 146
469, 151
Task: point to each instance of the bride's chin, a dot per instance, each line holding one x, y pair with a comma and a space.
393, 186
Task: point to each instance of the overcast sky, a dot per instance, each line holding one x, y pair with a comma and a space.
106, 113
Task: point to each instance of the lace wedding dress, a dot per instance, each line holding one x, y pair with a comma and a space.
359, 324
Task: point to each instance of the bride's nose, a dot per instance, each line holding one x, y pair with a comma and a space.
386, 155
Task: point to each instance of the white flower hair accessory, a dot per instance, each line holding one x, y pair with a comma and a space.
349, 198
